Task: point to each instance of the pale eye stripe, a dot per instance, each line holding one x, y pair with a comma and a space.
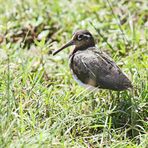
87, 35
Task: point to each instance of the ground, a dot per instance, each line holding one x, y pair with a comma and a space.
40, 103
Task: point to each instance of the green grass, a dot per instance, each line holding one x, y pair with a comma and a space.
40, 103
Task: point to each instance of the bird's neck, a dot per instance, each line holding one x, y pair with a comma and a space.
76, 49
84, 46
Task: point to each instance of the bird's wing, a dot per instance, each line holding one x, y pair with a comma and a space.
99, 70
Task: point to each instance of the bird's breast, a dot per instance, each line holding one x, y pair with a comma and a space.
79, 73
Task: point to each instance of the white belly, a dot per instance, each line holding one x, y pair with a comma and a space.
87, 86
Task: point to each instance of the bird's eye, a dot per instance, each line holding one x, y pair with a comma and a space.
80, 37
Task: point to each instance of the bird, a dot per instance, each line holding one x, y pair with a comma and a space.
92, 67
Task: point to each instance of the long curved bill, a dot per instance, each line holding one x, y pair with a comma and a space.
70, 43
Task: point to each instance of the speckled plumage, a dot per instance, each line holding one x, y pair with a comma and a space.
93, 67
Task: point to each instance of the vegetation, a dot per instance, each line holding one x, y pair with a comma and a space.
40, 103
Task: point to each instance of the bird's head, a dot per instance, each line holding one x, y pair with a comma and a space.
82, 40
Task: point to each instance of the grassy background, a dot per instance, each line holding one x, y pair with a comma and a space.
40, 103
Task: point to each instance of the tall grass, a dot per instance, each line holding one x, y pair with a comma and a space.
40, 103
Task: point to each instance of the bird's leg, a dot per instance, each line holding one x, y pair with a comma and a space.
93, 101
111, 95
118, 97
